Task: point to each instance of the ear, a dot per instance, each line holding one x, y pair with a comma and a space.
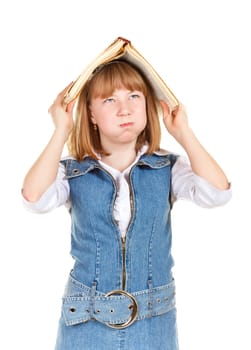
92, 116
93, 119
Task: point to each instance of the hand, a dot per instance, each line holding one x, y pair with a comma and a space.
176, 121
62, 114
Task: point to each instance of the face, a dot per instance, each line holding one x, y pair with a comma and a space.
120, 117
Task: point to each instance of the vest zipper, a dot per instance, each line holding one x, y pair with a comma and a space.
123, 239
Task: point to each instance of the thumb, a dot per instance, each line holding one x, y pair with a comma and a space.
165, 109
70, 106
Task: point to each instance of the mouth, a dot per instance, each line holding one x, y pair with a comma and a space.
126, 124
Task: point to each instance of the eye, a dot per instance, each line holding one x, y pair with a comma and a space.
135, 95
109, 100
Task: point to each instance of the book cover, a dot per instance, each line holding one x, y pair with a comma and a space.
122, 48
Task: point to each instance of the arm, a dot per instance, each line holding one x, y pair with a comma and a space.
201, 161
44, 171
186, 185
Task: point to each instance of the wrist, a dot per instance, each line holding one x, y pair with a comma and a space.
184, 136
61, 134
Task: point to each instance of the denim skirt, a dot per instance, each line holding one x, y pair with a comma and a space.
84, 324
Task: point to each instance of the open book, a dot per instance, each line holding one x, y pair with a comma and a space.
122, 48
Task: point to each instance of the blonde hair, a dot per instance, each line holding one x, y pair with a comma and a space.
84, 140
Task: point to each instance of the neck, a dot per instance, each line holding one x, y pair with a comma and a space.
120, 158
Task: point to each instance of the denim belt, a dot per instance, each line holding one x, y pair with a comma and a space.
118, 308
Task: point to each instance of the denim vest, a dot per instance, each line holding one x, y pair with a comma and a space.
143, 259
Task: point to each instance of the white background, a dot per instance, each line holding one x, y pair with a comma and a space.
202, 50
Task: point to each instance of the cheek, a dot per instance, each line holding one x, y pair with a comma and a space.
143, 117
144, 123
96, 109
105, 124
98, 116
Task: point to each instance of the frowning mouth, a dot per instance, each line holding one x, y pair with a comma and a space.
123, 125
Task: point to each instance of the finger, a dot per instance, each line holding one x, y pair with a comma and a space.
165, 108
176, 109
64, 91
69, 107
60, 97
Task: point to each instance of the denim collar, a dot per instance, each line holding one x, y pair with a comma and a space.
156, 160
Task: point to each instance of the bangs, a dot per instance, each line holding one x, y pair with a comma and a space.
115, 75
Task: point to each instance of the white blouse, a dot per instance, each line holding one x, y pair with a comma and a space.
185, 185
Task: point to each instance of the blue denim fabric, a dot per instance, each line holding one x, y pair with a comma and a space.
141, 266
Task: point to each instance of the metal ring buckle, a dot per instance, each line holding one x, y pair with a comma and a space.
133, 307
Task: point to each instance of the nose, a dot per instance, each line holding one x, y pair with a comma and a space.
123, 109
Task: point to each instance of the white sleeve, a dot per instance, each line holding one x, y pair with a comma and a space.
57, 194
189, 186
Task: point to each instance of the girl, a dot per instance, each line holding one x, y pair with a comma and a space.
119, 187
